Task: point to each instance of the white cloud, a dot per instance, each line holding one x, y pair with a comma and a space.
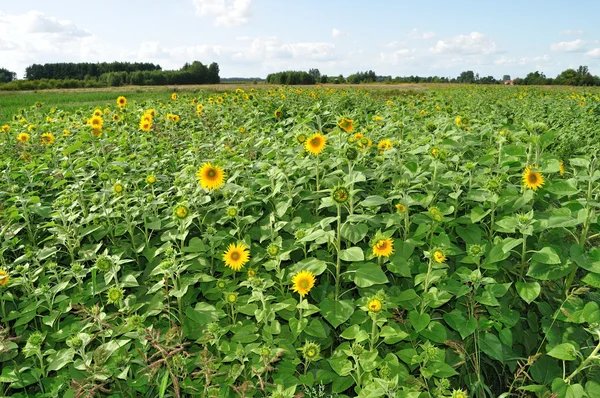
594, 53
335, 33
417, 34
227, 13
474, 43
568, 46
572, 32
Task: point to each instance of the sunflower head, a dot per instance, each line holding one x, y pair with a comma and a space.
351, 153
438, 257
385, 144
47, 139
96, 122
231, 211
401, 208
97, 112
181, 211
104, 263
23, 138
118, 188
346, 124
316, 144
532, 179
121, 101
374, 305
231, 297
273, 249
210, 177
302, 282
340, 195
561, 168
383, 247
145, 125
151, 179
174, 96
5, 128
115, 295
4, 277
311, 351
459, 394
236, 256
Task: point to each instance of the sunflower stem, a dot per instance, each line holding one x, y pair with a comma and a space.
338, 249
523, 251
373, 328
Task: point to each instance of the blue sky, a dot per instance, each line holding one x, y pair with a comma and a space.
255, 37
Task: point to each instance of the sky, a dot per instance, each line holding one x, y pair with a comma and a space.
252, 38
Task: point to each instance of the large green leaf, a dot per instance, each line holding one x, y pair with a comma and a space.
365, 275
336, 312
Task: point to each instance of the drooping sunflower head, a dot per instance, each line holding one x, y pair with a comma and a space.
210, 177
374, 305
47, 139
346, 124
236, 256
316, 144
302, 282
532, 179
23, 138
383, 247
121, 101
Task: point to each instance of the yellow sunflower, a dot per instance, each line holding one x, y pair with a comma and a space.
23, 137
174, 96
346, 124
121, 101
374, 305
561, 168
303, 281
175, 118
4, 278
5, 128
532, 179
278, 113
401, 207
98, 112
210, 177
47, 139
385, 144
383, 247
145, 125
236, 256
316, 144
96, 122
439, 257
146, 117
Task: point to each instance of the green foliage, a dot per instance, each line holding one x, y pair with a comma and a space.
436, 271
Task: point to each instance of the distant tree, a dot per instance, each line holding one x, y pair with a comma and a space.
505, 78
466, 77
315, 73
7, 76
536, 78
567, 77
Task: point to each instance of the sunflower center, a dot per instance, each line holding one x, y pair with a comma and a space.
303, 283
211, 173
235, 256
533, 179
315, 142
382, 245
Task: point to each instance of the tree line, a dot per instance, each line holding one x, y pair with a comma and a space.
85, 75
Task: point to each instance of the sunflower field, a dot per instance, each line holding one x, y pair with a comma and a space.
303, 242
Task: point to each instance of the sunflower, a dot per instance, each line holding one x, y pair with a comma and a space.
459, 394
401, 207
383, 247
116, 117
121, 101
439, 257
151, 179
145, 125
316, 144
278, 113
384, 145
210, 177
23, 137
146, 117
175, 118
4, 278
561, 168
219, 100
5, 128
118, 187
174, 96
236, 256
374, 305
98, 112
96, 122
435, 152
532, 179
303, 281
47, 139
346, 124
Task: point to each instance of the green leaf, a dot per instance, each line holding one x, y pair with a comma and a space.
457, 321
336, 312
374, 200
352, 254
418, 321
478, 213
493, 347
195, 246
311, 264
528, 291
365, 275
354, 232
471, 234
547, 272
546, 256
203, 313
564, 351
544, 370
60, 359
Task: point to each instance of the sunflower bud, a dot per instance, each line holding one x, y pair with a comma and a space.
351, 153
340, 195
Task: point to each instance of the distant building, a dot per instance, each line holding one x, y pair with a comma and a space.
509, 82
